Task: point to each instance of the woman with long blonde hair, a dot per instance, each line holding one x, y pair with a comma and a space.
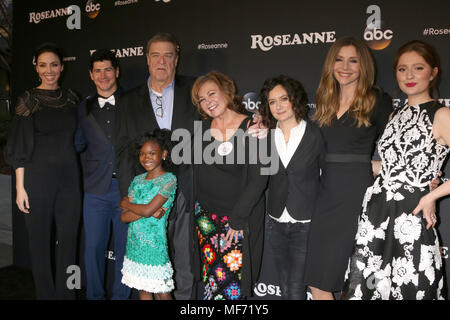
351, 113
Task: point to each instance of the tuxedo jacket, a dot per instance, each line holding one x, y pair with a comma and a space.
135, 116
296, 186
97, 157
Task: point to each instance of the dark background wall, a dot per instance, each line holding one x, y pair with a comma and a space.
234, 37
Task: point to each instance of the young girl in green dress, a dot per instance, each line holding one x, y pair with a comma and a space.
146, 265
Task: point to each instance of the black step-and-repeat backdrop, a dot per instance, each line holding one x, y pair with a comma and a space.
250, 40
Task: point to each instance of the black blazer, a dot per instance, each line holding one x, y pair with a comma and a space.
135, 116
296, 187
97, 157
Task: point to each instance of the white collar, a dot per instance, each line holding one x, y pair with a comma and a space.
287, 150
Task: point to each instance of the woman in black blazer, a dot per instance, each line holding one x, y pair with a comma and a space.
293, 188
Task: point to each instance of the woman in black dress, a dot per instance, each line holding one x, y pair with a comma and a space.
40, 148
229, 192
351, 114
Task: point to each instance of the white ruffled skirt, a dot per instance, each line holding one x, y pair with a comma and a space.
154, 279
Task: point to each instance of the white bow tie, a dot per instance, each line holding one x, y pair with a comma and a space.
111, 100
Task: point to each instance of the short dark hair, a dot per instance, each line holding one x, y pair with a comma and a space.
296, 93
102, 55
48, 47
164, 37
163, 138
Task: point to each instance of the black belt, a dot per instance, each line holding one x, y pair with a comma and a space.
346, 157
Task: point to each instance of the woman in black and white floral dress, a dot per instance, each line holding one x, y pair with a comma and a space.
396, 254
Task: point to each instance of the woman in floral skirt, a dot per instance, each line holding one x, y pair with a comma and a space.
396, 254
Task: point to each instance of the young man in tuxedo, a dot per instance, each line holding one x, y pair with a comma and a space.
95, 140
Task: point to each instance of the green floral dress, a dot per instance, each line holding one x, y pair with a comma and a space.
146, 265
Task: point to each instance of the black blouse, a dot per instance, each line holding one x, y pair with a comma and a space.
39, 114
219, 181
232, 184
344, 137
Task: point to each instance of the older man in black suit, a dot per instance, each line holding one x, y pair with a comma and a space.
164, 101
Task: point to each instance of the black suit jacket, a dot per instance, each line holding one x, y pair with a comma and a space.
296, 187
97, 157
135, 116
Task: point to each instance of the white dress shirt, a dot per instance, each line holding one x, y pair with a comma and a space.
286, 151
167, 97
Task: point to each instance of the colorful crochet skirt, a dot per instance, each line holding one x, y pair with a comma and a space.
221, 260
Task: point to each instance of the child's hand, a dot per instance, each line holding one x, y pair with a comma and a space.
123, 203
159, 213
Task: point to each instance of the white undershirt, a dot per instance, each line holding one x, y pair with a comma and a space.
286, 151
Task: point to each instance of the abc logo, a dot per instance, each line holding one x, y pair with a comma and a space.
376, 34
378, 39
92, 9
251, 101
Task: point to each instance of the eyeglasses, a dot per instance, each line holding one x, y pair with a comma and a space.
159, 111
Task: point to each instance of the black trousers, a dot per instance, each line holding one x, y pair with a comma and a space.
60, 204
179, 235
288, 242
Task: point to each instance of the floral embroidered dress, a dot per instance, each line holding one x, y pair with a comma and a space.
395, 256
146, 265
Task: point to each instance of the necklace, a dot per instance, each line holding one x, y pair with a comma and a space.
225, 148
